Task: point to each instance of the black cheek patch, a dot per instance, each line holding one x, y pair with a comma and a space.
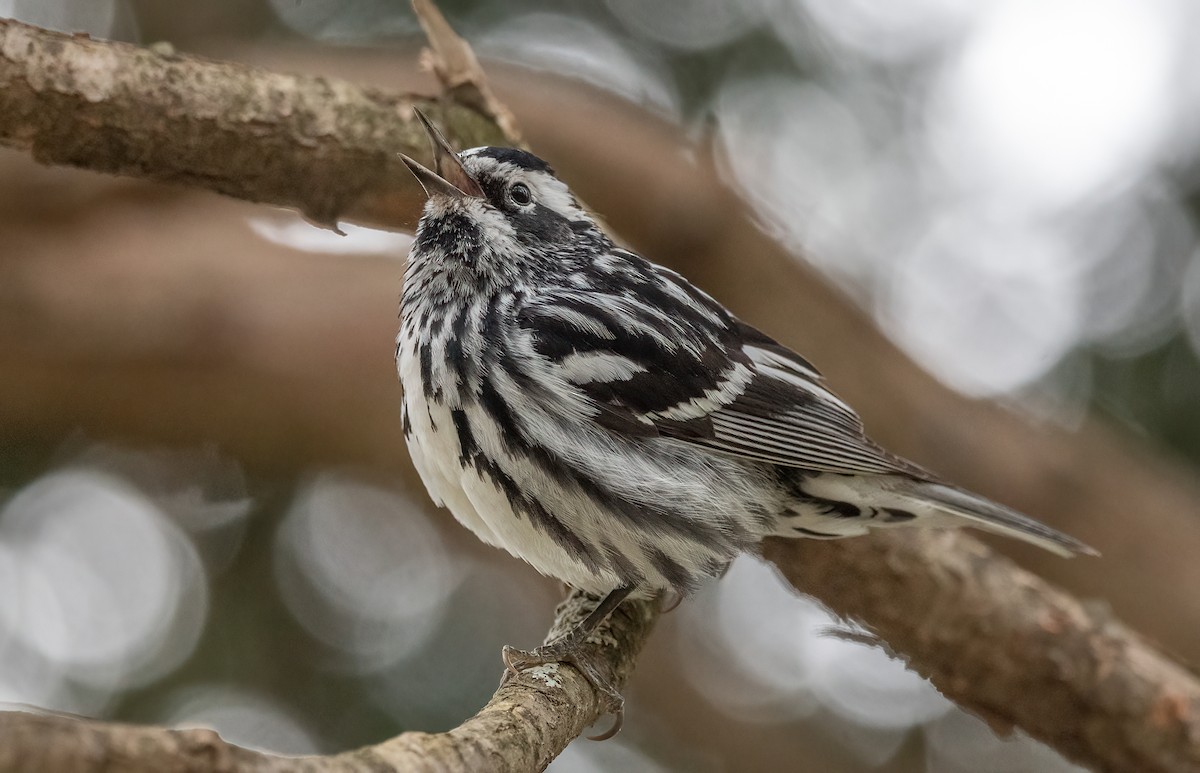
493, 191
541, 225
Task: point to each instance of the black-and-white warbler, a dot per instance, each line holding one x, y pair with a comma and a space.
598, 416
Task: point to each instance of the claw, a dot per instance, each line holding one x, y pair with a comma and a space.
565, 649
560, 651
618, 722
508, 654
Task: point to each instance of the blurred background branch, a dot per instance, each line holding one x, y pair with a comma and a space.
156, 115
1009, 647
219, 330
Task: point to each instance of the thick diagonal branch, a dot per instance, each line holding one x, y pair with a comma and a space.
325, 147
1009, 646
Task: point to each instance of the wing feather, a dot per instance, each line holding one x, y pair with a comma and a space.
720, 384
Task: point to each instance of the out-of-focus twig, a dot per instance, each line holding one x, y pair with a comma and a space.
453, 61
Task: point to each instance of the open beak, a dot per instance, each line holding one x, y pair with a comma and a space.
451, 178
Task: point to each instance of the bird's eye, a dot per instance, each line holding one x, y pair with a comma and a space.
520, 194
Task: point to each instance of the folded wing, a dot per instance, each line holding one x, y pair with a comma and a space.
682, 367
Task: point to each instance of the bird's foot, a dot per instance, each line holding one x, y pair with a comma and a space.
566, 649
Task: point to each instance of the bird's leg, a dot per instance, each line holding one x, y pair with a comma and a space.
566, 649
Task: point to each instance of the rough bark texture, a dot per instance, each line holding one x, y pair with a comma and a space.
323, 146
1008, 646
948, 606
525, 725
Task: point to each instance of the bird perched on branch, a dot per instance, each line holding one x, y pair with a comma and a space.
598, 416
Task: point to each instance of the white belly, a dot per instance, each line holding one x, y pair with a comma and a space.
475, 501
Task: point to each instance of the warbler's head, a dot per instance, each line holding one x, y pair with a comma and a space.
497, 210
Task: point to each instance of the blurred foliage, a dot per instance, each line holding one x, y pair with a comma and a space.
1154, 394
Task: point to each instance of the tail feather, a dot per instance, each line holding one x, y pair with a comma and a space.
996, 518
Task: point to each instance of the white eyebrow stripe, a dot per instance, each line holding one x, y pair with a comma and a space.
548, 190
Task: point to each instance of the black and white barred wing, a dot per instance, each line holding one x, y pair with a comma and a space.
680, 366
662, 359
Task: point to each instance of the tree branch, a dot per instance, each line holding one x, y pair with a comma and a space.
526, 724
988, 634
453, 61
1008, 646
325, 147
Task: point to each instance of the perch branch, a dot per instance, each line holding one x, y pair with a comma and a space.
525, 725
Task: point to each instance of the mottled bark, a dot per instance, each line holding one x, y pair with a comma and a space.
320, 145
1008, 646
525, 725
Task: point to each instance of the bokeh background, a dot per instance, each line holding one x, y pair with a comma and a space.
1026, 170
